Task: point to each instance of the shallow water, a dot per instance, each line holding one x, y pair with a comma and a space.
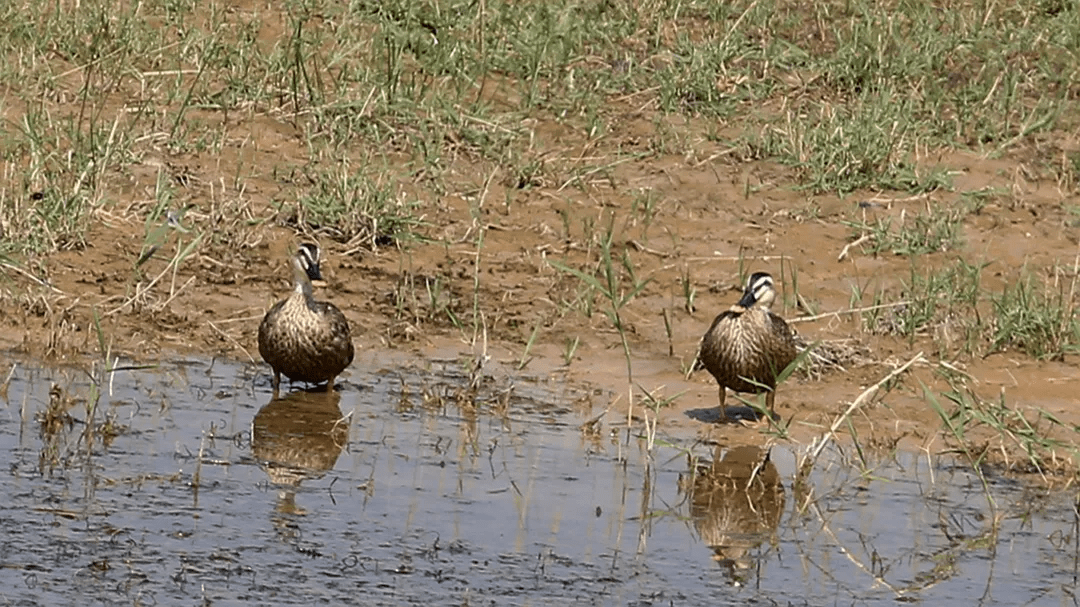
393, 491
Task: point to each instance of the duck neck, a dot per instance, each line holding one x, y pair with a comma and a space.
302, 285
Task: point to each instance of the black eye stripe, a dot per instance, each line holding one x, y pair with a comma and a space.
759, 280
307, 260
309, 254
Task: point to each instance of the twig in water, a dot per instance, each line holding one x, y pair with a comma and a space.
851, 557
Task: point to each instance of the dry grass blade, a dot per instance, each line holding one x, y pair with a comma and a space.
831, 355
39, 281
839, 313
858, 241
819, 443
142, 292
233, 341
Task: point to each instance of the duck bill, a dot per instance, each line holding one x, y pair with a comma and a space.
747, 300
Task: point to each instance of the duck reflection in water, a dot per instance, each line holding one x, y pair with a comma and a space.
298, 437
735, 504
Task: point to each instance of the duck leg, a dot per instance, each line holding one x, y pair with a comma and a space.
275, 382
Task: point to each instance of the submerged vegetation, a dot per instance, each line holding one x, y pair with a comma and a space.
529, 164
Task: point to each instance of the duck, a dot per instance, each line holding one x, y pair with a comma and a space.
747, 346
736, 503
302, 338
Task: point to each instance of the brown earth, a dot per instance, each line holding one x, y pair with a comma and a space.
713, 213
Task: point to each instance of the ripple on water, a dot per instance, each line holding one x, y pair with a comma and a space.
394, 492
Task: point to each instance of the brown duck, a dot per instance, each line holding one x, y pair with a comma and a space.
304, 339
747, 346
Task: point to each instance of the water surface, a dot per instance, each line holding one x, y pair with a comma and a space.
405, 488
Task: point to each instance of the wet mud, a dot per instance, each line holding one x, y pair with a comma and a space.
505, 298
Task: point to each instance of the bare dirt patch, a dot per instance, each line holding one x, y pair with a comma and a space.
704, 228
